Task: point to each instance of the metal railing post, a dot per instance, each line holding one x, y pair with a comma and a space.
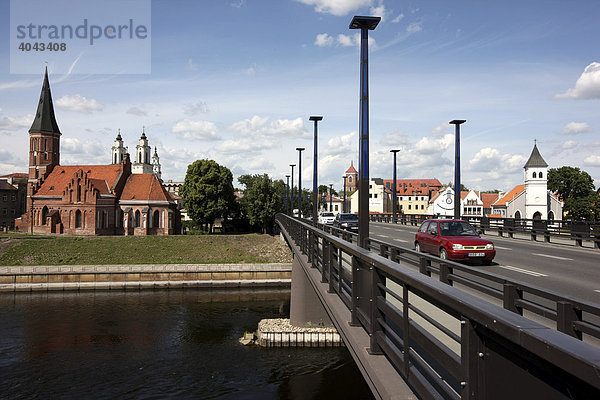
445, 271
355, 292
566, 315
424, 265
511, 295
376, 279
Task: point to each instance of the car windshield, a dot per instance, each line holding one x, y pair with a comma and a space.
457, 228
348, 217
327, 215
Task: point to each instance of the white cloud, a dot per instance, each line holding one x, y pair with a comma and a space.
336, 7
414, 27
587, 86
198, 107
78, 103
244, 146
429, 146
395, 139
195, 130
353, 40
569, 144
15, 124
379, 10
491, 160
340, 145
323, 39
398, 18
592, 161
137, 111
441, 130
86, 152
260, 126
573, 128
5, 156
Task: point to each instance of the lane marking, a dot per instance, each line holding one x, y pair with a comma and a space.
555, 257
523, 271
597, 291
400, 240
502, 248
385, 236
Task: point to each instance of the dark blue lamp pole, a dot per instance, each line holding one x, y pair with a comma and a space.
457, 123
344, 206
292, 195
287, 193
365, 24
394, 210
315, 118
300, 149
330, 196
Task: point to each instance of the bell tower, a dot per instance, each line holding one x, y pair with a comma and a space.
536, 186
118, 151
44, 141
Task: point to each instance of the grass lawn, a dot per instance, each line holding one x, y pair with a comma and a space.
184, 249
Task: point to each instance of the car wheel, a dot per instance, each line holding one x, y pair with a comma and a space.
417, 247
443, 254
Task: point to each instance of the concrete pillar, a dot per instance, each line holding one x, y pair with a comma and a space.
306, 309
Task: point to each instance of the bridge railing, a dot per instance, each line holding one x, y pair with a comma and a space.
577, 231
445, 342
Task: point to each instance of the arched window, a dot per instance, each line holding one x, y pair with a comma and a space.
115, 158
78, 219
44, 215
350, 179
540, 175
537, 215
137, 219
78, 190
534, 175
156, 219
140, 157
518, 215
550, 216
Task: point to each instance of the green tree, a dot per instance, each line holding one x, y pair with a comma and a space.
576, 188
463, 188
207, 192
262, 199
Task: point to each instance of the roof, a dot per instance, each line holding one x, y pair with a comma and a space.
535, 159
144, 187
351, 170
408, 186
17, 175
4, 185
517, 190
103, 177
45, 121
488, 199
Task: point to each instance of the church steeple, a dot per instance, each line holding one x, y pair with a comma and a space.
45, 121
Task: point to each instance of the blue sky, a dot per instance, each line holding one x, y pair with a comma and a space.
236, 80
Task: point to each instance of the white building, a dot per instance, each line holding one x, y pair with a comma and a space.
380, 199
142, 163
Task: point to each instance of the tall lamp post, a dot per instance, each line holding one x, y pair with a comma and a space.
300, 149
287, 193
394, 207
457, 123
365, 24
344, 204
292, 195
316, 119
330, 196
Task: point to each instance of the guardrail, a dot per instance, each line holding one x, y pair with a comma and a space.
578, 231
569, 315
483, 352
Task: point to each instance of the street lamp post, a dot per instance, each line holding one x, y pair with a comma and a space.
344, 205
330, 196
315, 118
457, 123
394, 209
292, 196
300, 149
364, 24
287, 193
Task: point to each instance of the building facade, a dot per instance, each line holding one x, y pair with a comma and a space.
380, 199
90, 199
13, 196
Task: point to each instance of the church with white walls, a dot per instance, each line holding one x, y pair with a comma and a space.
142, 163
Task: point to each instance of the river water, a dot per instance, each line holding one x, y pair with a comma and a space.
160, 344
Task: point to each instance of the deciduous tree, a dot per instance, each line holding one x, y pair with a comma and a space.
262, 199
576, 188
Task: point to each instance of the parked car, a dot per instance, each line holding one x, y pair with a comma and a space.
326, 218
348, 222
452, 239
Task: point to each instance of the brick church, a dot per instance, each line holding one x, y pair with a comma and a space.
92, 199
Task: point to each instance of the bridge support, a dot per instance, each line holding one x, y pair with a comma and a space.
306, 309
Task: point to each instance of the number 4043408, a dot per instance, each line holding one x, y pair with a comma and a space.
40, 46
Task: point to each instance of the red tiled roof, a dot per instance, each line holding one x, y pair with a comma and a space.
144, 187
494, 216
488, 199
517, 190
17, 175
408, 186
351, 170
61, 175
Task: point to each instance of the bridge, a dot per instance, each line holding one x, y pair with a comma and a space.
421, 327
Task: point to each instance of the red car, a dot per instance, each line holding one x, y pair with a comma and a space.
455, 240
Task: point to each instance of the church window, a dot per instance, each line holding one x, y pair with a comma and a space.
78, 219
78, 191
350, 179
140, 158
44, 215
156, 219
540, 175
137, 219
115, 158
534, 175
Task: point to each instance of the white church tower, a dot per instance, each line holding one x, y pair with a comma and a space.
156, 164
141, 162
536, 186
118, 151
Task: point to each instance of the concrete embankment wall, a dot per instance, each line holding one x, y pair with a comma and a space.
135, 277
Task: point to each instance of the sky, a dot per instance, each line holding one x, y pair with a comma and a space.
236, 81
